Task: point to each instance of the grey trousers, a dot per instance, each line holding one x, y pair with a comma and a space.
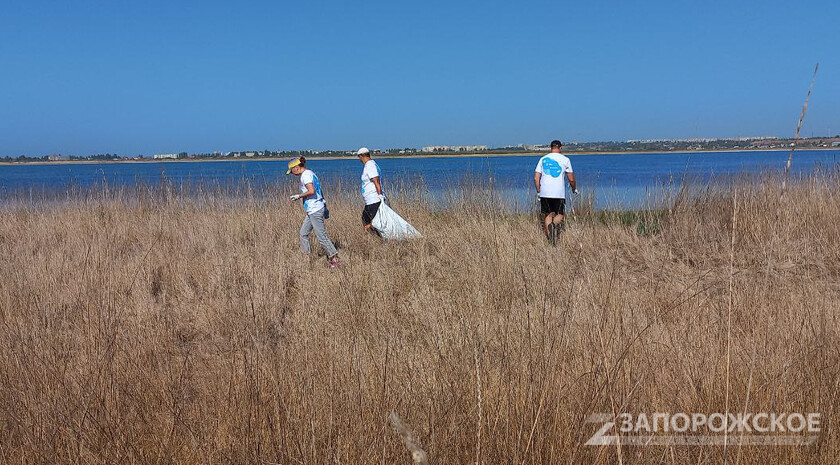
316, 221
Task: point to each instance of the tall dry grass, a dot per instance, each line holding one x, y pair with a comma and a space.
149, 326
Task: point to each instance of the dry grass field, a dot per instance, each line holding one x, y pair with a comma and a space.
150, 326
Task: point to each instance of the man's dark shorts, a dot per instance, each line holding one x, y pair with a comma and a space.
369, 212
549, 205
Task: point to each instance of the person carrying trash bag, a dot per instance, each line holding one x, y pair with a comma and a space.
315, 209
372, 192
377, 217
551, 189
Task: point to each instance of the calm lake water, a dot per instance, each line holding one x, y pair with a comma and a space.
613, 181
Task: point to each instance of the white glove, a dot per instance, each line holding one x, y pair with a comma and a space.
381, 197
575, 191
294, 197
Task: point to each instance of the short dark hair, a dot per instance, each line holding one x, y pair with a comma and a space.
556, 143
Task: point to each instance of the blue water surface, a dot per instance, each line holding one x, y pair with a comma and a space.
612, 181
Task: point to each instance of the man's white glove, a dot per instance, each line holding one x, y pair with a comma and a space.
294, 197
382, 198
575, 191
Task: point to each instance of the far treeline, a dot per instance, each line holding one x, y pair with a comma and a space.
683, 145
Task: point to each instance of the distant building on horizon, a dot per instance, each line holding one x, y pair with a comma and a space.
701, 139
163, 156
454, 148
58, 158
535, 148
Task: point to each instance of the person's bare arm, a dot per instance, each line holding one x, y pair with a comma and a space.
310, 190
375, 181
537, 176
572, 182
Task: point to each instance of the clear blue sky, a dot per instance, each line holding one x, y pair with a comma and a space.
84, 77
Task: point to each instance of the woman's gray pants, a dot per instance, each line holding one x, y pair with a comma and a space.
316, 221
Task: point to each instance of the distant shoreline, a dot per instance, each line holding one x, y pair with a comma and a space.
408, 156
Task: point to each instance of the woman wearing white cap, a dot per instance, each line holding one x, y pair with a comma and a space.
315, 208
371, 187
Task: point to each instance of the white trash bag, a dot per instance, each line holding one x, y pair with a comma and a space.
391, 225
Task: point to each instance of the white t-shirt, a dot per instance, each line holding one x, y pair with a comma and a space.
370, 171
553, 168
315, 201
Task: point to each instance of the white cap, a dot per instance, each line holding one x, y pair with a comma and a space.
363, 151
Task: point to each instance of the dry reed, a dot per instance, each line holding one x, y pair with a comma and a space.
149, 326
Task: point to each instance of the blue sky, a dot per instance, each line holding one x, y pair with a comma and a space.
84, 77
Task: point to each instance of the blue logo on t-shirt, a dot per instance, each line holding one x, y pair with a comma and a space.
316, 185
552, 167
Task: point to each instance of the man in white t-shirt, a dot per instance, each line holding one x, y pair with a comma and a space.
371, 189
550, 180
